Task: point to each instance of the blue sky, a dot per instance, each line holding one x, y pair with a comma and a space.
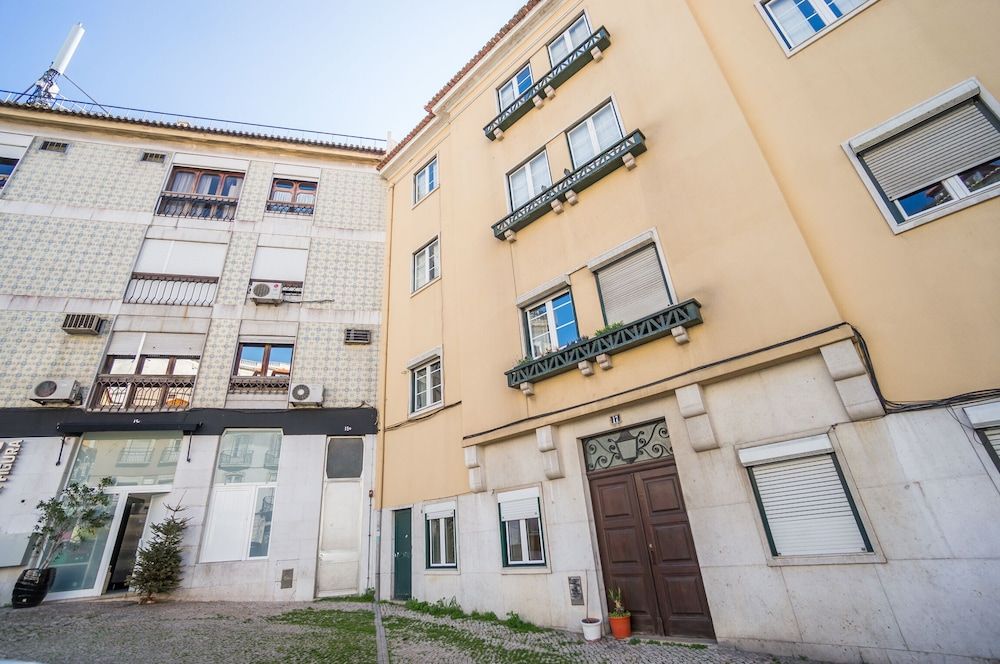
360, 67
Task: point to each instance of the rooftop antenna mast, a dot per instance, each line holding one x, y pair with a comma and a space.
46, 89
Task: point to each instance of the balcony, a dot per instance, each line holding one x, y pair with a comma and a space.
258, 384
236, 460
197, 206
286, 207
620, 154
683, 315
546, 86
132, 393
148, 288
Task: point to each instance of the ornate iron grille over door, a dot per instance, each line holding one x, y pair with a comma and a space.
646, 442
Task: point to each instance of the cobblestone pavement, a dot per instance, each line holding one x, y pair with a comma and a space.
119, 631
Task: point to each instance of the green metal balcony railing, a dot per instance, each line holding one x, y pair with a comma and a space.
556, 76
654, 326
600, 166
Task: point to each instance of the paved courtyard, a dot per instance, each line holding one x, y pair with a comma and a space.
121, 631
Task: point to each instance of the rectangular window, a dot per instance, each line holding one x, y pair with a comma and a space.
263, 360
515, 87
803, 499
6, 168
633, 287
798, 20
440, 536
242, 505
155, 381
292, 197
281, 264
425, 264
135, 458
529, 180
425, 181
194, 192
551, 324
425, 386
594, 135
938, 162
569, 39
521, 528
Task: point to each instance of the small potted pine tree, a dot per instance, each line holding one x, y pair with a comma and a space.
65, 522
158, 564
619, 617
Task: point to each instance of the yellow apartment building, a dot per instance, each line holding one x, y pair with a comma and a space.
698, 299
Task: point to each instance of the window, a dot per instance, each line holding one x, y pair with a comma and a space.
154, 382
515, 87
242, 504
551, 325
594, 135
281, 264
529, 180
425, 181
344, 458
985, 418
938, 163
573, 36
803, 499
255, 359
425, 264
439, 534
798, 20
6, 168
425, 386
130, 459
633, 287
292, 197
193, 192
991, 439
521, 527
180, 257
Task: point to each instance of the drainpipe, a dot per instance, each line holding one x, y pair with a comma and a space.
385, 338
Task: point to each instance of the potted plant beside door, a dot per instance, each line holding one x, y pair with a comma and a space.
619, 617
65, 522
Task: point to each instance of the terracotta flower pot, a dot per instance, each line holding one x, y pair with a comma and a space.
621, 626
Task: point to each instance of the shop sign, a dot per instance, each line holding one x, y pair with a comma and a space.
8, 455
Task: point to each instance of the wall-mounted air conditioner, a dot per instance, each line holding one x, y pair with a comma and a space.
266, 292
302, 394
55, 390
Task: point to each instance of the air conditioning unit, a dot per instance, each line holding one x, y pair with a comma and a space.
55, 390
82, 324
266, 292
303, 394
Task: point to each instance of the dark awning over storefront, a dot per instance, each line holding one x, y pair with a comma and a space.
30, 422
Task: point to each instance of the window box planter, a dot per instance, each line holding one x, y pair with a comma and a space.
685, 314
620, 154
547, 84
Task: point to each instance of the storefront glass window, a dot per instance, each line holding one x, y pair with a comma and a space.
134, 458
79, 561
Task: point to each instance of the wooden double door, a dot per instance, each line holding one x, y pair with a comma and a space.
647, 550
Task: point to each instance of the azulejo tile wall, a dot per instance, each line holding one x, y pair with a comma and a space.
216, 364
93, 175
348, 272
36, 348
66, 257
349, 373
236, 272
350, 199
255, 191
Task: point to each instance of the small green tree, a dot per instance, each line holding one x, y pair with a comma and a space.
70, 518
158, 564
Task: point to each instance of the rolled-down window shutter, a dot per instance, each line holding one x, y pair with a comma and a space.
513, 510
440, 510
950, 143
633, 287
806, 508
993, 441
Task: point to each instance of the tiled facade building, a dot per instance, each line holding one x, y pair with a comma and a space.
139, 348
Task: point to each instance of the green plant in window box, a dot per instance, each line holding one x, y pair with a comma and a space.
525, 360
619, 617
65, 522
609, 328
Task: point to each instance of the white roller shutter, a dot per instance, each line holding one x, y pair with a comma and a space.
162, 343
526, 508
279, 264
950, 143
180, 257
633, 287
440, 510
993, 439
806, 508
